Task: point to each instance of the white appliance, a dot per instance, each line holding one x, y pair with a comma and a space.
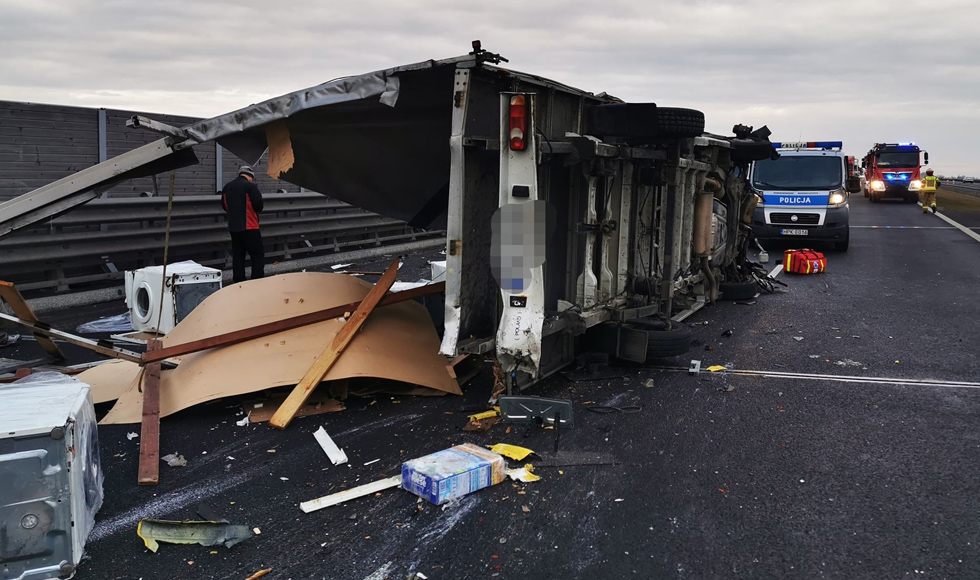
188, 284
50, 476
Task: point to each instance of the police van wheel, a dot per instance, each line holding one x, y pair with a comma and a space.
738, 290
842, 246
667, 343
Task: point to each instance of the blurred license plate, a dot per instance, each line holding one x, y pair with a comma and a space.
795, 232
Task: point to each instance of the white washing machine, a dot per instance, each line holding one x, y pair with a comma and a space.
188, 284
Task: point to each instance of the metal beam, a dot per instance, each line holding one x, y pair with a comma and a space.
76, 189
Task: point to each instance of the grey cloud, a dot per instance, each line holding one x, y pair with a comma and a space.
858, 71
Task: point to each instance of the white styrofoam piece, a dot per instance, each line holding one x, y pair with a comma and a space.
438, 270
336, 454
348, 494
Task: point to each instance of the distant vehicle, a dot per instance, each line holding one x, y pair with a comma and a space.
967, 180
893, 170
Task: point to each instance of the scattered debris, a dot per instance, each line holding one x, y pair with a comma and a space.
749, 303
716, 368
648, 383
260, 411
341, 266
539, 410
174, 460
244, 367
259, 574
695, 367
849, 363
814, 356
348, 494
728, 332
132, 435
244, 422
334, 453
482, 425
525, 474
727, 388
452, 473
372, 461
204, 533
495, 412
525, 509
797, 338
256, 531
511, 451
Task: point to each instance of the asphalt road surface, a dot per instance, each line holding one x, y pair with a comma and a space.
718, 475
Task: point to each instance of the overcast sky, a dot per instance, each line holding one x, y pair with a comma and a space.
860, 71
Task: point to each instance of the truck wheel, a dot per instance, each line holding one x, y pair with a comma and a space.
638, 121
738, 290
667, 343
747, 150
842, 246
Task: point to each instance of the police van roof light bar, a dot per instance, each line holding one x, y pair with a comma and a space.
808, 145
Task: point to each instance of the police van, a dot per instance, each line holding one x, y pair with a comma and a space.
803, 194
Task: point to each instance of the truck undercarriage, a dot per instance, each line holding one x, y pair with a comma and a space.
601, 228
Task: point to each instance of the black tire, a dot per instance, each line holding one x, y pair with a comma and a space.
667, 343
738, 290
679, 123
644, 121
748, 150
842, 245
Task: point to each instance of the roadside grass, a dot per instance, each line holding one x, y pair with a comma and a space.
952, 201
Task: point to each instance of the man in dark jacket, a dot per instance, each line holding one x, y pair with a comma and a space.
242, 201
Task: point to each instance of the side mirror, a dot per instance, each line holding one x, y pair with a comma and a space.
926, 155
853, 185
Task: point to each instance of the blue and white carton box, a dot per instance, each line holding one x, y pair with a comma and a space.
452, 473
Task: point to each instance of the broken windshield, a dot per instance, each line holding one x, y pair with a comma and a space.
798, 173
898, 159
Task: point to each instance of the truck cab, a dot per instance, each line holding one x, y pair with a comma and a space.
893, 170
803, 194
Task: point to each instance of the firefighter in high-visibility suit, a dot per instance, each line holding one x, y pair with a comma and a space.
930, 183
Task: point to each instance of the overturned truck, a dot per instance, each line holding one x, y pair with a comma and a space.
574, 221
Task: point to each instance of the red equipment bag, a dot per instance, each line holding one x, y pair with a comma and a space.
804, 261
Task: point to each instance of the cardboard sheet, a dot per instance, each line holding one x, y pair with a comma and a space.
397, 342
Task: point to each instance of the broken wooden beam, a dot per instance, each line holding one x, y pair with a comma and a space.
268, 328
149, 463
333, 351
348, 494
12, 296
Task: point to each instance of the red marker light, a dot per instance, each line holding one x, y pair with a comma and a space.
518, 123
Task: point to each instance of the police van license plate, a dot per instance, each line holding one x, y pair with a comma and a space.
795, 232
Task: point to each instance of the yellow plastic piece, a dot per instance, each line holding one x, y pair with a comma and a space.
512, 451
486, 414
716, 368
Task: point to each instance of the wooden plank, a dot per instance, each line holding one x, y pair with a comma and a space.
12, 296
348, 494
260, 411
333, 351
48, 333
149, 464
285, 324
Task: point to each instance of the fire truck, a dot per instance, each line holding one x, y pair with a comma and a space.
892, 170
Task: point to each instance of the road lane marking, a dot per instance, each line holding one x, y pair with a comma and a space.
910, 227
956, 225
840, 378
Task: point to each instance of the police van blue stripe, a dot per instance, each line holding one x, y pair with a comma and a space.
796, 200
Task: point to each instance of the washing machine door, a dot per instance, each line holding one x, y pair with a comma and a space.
146, 304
